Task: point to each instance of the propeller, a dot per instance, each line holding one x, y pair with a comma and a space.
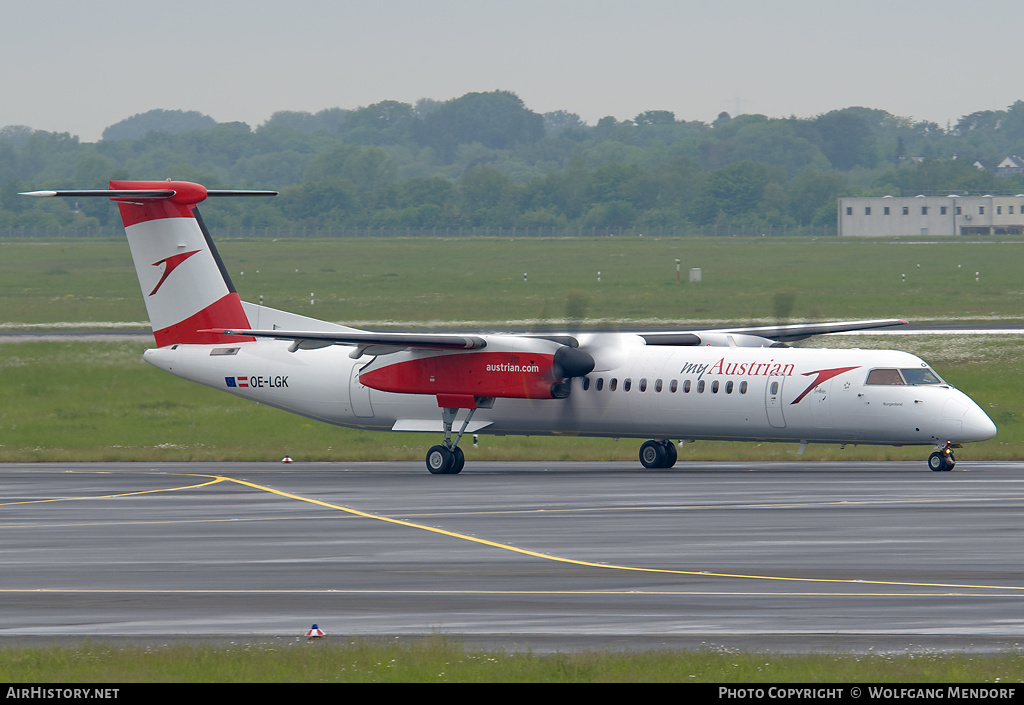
569, 362
580, 353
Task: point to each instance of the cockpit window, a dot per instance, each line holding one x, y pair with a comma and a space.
902, 376
921, 375
884, 376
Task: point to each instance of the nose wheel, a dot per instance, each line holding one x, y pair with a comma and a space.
942, 460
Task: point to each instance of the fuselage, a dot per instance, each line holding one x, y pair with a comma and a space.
637, 390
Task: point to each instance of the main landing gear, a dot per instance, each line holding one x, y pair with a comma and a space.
658, 454
447, 458
442, 460
942, 460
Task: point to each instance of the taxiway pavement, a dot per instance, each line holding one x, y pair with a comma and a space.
797, 556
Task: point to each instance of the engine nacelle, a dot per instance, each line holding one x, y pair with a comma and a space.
478, 374
538, 369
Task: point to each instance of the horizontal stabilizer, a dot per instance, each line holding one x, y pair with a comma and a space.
178, 191
105, 193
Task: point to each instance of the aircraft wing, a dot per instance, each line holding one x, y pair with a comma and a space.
800, 331
377, 343
364, 342
778, 334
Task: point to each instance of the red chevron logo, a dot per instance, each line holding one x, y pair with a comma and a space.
823, 376
171, 263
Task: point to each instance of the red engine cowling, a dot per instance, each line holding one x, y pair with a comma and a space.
518, 374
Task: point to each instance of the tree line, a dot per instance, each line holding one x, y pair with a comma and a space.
486, 159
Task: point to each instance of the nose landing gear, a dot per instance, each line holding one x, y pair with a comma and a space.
942, 460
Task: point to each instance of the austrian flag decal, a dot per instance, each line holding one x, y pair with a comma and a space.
237, 381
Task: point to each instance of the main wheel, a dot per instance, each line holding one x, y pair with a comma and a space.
670, 454
652, 454
458, 461
440, 460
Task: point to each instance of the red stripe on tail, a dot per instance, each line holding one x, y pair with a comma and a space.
226, 313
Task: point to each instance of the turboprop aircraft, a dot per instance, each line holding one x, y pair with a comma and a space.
741, 384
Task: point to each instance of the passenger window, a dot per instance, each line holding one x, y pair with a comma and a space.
586, 383
728, 387
775, 388
600, 383
613, 384
884, 376
714, 387
643, 385
657, 385
673, 386
700, 386
627, 384
686, 387
743, 387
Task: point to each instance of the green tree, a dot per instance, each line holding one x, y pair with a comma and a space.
170, 121
942, 177
812, 196
734, 190
387, 122
497, 120
846, 138
326, 201
488, 196
655, 117
621, 183
368, 169
559, 121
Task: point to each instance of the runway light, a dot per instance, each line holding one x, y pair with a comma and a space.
286, 459
315, 633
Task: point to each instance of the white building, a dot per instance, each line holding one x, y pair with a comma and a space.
887, 216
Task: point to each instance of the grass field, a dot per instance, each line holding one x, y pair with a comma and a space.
440, 660
99, 401
481, 280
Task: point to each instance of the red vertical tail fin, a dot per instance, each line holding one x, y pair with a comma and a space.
184, 282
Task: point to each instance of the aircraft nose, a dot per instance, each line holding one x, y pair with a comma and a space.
977, 425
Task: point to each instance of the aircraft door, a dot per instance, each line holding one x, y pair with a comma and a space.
359, 396
773, 401
821, 409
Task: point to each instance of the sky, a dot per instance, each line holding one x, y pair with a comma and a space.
79, 67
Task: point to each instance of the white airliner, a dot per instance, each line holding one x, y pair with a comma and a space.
742, 384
